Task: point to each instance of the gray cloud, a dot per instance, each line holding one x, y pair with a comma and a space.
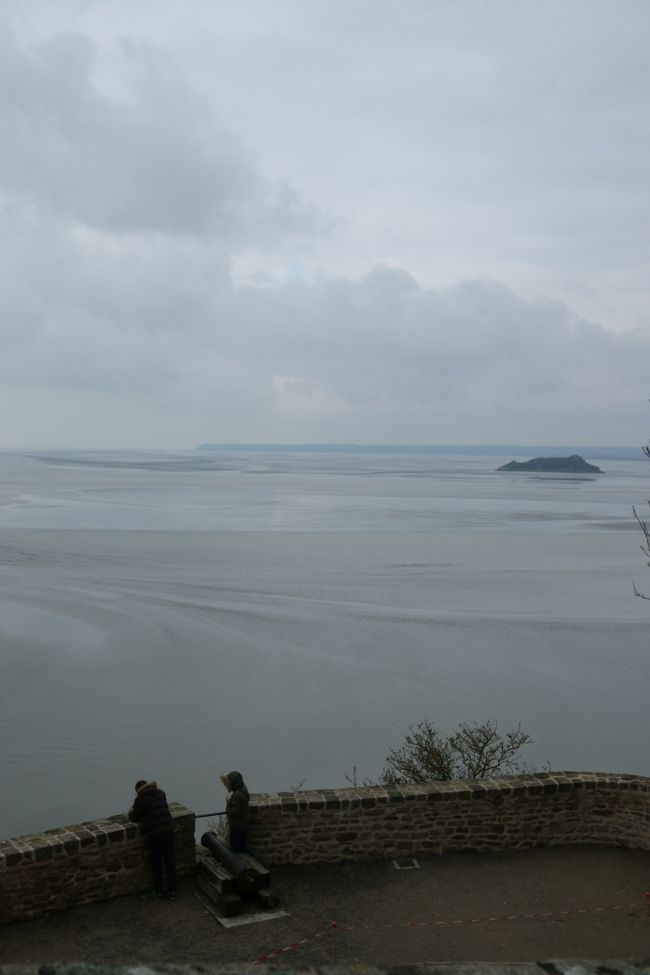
154, 161
166, 280
380, 358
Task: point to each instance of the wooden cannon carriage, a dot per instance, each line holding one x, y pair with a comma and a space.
231, 879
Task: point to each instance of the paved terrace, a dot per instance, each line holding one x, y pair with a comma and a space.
516, 906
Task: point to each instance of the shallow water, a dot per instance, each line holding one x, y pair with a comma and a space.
175, 616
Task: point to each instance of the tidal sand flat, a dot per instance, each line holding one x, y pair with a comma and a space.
300, 650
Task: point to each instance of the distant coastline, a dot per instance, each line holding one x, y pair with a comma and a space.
511, 450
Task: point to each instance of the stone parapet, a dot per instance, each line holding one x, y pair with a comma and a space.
105, 858
478, 815
79, 864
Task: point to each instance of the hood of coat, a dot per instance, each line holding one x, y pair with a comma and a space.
234, 781
147, 787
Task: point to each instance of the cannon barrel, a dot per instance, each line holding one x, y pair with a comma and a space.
246, 879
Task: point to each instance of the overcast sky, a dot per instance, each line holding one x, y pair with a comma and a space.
390, 221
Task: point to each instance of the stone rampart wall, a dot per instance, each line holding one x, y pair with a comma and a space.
105, 858
481, 815
80, 864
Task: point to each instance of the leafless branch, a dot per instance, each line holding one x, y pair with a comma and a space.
472, 751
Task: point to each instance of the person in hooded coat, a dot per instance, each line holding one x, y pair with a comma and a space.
237, 812
150, 809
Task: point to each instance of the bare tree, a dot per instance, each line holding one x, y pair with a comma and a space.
353, 778
645, 531
473, 751
645, 547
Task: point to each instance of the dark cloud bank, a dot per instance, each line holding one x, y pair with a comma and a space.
122, 323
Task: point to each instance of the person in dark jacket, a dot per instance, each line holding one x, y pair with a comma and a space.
150, 809
237, 812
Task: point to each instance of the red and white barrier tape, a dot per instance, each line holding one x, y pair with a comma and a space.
291, 947
444, 923
483, 920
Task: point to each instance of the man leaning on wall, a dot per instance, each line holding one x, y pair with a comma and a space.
150, 809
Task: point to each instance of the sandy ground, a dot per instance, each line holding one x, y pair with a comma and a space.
586, 902
127, 655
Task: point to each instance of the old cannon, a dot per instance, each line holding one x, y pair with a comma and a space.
232, 877
246, 878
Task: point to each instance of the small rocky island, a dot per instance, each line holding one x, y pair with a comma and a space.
553, 465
